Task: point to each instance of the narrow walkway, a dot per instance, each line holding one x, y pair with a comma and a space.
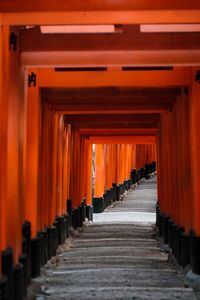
117, 257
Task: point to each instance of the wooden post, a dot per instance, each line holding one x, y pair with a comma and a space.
99, 171
195, 146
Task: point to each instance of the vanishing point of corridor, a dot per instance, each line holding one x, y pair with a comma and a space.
116, 257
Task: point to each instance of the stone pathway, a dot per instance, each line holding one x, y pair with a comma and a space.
117, 257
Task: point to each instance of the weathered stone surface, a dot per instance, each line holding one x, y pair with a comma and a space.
117, 257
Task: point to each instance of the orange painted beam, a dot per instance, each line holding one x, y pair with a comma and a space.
99, 5
178, 58
129, 38
122, 140
149, 16
114, 77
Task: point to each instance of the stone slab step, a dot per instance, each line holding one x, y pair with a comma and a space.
124, 293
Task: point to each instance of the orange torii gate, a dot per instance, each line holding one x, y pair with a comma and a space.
45, 161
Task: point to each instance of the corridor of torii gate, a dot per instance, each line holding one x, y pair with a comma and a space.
125, 78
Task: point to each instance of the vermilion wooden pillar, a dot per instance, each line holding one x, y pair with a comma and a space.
68, 158
59, 174
75, 189
11, 194
32, 157
165, 165
184, 183
54, 138
66, 164
88, 179
14, 154
195, 146
4, 85
99, 171
46, 166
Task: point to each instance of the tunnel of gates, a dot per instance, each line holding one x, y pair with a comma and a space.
52, 189
49, 122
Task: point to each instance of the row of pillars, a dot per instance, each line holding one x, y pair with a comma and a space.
114, 166
178, 178
45, 172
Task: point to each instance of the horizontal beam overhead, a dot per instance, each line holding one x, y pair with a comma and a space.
111, 58
118, 131
48, 78
110, 100
111, 94
149, 16
129, 39
97, 5
129, 119
123, 140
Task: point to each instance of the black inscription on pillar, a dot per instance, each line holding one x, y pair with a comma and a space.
32, 79
197, 76
13, 41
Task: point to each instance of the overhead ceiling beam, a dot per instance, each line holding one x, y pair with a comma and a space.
110, 100
130, 39
111, 95
103, 17
123, 140
111, 58
48, 78
97, 5
107, 119
118, 131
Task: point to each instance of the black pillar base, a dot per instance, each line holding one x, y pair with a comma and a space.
194, 252
178, 234
82, 214
98, 205
50, 241
4, 291
68, 224
153, 166
7, 270
24, 262
18, 282
170, 233
134, 176
69, 206
160, 224
89, 212
61, 229
114, 191
44, 246
142, 173
26, 246
36, 256
185, 250
108, 197
165, 220
157, 213
55, 236
77, 217
147, 171
117, 192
